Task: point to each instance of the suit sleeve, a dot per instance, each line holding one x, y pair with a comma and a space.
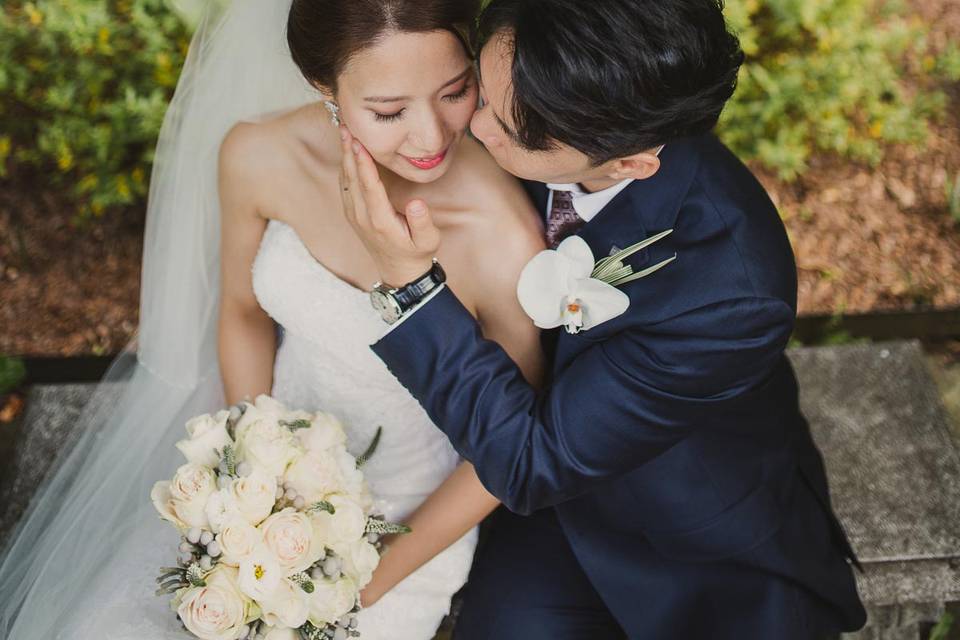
621, 402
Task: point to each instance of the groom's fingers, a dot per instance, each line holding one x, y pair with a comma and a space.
423, 232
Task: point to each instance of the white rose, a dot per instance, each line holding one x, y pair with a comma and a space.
260, 574
264, 409
285, 606
163, 502
331, 600
190, 489
218, 509
360, 558
252, 497
238, 540
352, 482
217, 611
267, 446
289, 536
325, 433
315, 475
281, 633
208, 434
347, 524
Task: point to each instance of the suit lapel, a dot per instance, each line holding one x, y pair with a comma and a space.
646, 207
539, 193
640, 211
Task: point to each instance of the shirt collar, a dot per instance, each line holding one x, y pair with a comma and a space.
588, 205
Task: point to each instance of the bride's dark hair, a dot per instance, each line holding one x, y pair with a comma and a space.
324, 34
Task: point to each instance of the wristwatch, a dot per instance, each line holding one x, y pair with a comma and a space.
391, 303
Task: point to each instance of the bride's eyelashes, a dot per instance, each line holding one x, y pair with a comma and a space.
393, 117
460, 95
388, 117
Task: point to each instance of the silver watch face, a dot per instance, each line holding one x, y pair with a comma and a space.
386, 306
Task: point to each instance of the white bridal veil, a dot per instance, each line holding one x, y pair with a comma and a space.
238, 68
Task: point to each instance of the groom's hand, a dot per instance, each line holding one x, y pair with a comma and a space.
403, 245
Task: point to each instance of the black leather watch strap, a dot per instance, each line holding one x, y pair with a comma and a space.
410, 295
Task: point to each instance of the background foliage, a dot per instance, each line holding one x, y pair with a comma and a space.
83, 88
12, 373
84, 85
826, 76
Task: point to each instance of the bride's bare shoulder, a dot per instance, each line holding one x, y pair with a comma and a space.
501, 230
252, 148
258, 157
498, 197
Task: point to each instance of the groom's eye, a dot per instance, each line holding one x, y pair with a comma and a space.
388, 117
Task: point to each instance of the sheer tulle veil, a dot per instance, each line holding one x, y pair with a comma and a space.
238, 68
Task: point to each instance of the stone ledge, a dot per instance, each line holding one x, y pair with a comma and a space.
875, 412
34, 441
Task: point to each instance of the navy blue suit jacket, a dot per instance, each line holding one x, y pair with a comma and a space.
669, 440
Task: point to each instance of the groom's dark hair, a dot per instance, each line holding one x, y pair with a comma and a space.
612, 78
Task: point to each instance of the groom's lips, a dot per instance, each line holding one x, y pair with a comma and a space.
428, 163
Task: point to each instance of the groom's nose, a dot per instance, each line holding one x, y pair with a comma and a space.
481, 126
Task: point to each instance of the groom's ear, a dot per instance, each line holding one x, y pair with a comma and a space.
639, 166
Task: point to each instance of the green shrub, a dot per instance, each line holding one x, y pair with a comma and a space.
12, 373
827, 76
84, 85
83, 88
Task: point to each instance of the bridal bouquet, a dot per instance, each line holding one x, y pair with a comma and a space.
277, 533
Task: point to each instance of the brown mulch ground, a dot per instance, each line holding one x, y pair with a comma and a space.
867, 239
880, 239
64, 290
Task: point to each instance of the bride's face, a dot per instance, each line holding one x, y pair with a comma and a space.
409, 99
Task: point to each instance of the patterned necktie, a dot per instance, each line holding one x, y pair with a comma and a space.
563, 220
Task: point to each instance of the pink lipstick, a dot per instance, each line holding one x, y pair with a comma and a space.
428, 163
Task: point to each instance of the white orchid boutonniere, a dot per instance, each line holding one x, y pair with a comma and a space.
567, 287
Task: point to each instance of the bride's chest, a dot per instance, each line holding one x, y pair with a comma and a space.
307, 299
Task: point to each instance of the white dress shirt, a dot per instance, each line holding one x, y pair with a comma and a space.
587, 205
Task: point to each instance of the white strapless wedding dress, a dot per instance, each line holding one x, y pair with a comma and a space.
324, 362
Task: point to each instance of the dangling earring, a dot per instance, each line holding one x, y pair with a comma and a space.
334, 110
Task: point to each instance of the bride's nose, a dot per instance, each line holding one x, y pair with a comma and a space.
428, 133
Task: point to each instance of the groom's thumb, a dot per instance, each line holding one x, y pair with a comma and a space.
422, 230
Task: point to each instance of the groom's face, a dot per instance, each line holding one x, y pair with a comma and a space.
493, 125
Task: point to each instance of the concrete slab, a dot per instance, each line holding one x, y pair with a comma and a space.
894, 474
33, 442
875, 412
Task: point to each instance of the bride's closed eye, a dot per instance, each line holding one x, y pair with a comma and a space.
388, 117
393, 117
460, 95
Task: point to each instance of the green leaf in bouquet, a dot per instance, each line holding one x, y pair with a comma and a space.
303, 581
323, 505
228, 458
195, 575
171, 580
309, 632
169, 588
366, 455
294, 425
171, 572
383, 528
